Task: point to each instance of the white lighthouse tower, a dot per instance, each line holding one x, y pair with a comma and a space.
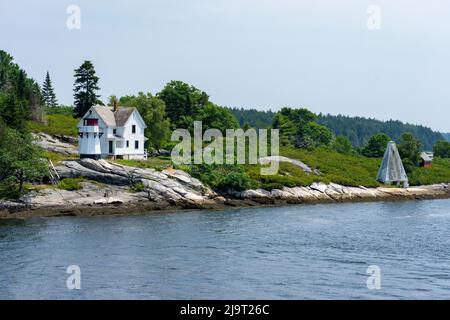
89, 136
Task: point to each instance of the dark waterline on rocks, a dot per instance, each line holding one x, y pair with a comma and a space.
295, 252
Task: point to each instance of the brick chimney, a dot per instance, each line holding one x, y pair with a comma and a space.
115, 105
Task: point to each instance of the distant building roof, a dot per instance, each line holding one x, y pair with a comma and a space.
392, 170
426, 156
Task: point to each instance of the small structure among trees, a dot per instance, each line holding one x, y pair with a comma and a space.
392, 170
426, 159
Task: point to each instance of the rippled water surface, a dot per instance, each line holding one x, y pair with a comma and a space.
295, 252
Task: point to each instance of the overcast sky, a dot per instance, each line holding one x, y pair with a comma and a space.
248, 53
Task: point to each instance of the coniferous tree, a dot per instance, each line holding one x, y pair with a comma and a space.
48, 95
85, 88
21, 84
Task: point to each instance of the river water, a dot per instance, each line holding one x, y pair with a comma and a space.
295, 252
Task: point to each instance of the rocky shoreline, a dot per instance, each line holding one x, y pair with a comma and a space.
108, 192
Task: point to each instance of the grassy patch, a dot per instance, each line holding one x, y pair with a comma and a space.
158, 163
59, 124
438, 173
36, 187
70, 184
348, 170
57, 157
288, 175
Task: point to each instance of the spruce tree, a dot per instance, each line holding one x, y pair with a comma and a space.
48, 95
85, 88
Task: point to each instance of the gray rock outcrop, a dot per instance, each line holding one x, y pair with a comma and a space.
173, 186
320, 192
53, 144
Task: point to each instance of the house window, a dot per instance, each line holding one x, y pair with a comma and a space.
90, 122
114, 131
136, 144
128, 144
133, 128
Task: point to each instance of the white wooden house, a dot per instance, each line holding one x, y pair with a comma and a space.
115, 132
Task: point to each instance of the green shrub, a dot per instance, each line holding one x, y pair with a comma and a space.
70, 184
138, 186
8, 189
235, 181
442, 149
222, 177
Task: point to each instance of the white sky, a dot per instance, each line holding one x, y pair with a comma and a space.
248, 53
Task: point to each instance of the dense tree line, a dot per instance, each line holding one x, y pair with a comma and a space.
20, 100
359, 130
253, 118
20, 96
446, 136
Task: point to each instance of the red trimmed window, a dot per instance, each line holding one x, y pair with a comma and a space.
91, 122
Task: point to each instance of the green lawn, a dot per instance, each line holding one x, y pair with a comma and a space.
56, 124
158, 163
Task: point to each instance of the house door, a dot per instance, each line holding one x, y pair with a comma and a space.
110, 147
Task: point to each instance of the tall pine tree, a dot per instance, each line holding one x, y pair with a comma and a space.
85, 88
48, 95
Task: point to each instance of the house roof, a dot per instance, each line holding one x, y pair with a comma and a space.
122, 114
106, 114
114, 119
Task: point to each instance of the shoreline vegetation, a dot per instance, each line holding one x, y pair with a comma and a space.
322, 157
